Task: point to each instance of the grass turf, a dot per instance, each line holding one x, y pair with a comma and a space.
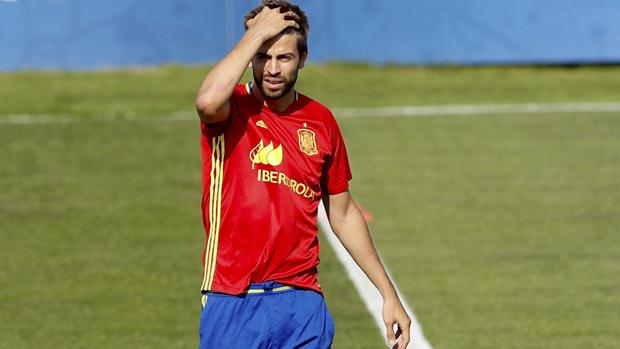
173, 88
501, 230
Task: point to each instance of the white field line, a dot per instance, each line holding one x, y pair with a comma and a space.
368, 292
411, 110
25, 119
475, 109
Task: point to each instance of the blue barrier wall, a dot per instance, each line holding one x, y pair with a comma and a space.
85, 34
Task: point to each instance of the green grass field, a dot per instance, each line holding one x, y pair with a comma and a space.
501, 230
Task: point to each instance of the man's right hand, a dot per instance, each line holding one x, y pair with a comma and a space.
271, 22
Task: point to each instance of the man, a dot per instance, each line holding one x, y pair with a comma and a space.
270, 155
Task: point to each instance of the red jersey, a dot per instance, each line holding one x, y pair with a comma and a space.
264, 174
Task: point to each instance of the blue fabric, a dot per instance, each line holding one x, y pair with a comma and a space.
290, 319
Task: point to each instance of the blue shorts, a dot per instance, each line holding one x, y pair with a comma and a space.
269, 316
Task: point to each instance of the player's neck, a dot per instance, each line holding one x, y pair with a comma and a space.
278, 104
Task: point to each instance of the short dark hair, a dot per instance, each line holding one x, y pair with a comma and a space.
285, 6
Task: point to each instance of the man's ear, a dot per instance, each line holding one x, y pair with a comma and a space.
302, 61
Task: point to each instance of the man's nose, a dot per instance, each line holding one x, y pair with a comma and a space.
273, 68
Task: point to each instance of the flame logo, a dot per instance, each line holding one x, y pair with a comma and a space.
266, 155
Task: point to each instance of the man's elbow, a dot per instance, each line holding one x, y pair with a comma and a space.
210, 111
205, 106
337, 223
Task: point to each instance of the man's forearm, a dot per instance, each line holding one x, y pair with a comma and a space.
353, 232
220, 82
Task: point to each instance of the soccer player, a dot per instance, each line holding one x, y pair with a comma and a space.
269, 156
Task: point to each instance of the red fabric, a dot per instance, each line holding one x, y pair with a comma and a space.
269, 199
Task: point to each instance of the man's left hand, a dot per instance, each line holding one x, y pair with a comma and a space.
394, 314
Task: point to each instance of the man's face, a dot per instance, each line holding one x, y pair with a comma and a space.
276, 64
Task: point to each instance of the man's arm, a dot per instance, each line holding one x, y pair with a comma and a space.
212, 102
351, 229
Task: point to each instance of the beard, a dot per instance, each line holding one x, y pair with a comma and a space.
275, 94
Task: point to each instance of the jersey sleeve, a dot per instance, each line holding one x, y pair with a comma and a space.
337, 172
216, 129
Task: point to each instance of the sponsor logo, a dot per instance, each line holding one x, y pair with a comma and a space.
280, 178
273, 156
266, 155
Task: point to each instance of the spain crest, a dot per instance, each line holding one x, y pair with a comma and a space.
307, 141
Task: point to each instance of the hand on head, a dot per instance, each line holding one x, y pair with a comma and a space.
271, 22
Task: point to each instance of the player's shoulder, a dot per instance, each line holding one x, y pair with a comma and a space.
242, 97
242, 90
318, 109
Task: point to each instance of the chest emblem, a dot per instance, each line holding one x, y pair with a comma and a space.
266, 155
307, 141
